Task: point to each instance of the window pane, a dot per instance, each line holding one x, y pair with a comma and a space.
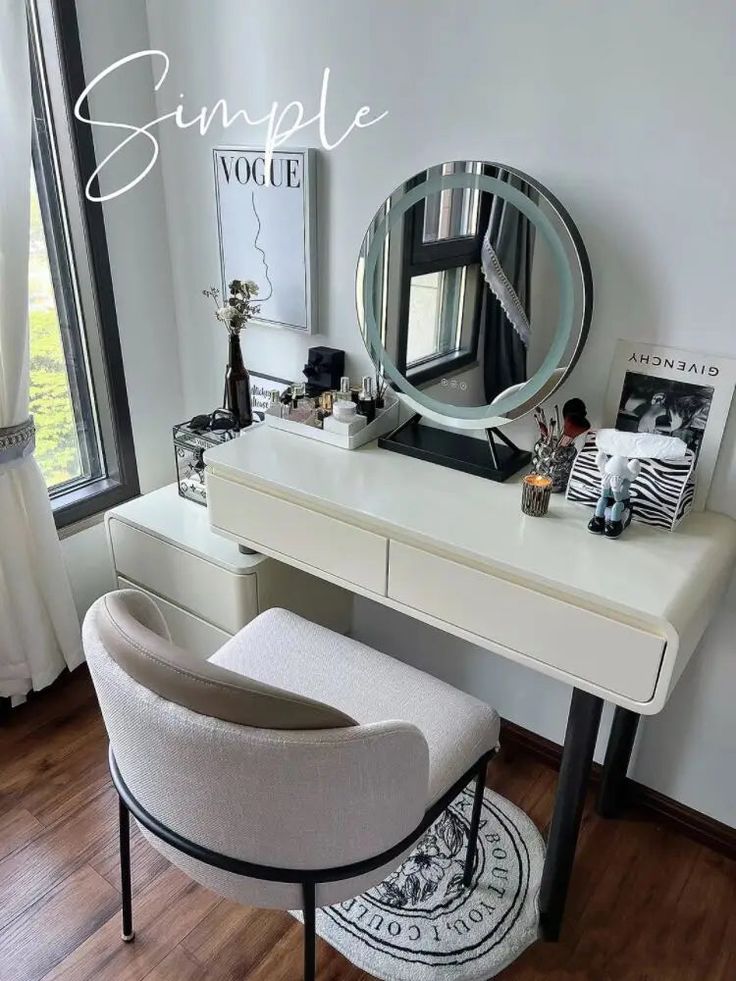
452, 213
436, 303
57, 443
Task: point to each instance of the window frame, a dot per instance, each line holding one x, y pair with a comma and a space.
80, 265
426, 257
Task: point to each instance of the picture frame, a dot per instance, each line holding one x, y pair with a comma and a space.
267, 230
673, 392
261, 387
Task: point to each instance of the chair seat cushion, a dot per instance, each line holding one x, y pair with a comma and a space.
280, 648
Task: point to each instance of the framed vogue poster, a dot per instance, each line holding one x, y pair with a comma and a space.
267, 230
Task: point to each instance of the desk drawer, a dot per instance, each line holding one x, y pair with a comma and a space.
190, 633
224, 599
323, 543
585, 645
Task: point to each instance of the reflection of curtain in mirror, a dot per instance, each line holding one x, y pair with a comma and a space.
507, 267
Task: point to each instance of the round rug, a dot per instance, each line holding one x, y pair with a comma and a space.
421, 923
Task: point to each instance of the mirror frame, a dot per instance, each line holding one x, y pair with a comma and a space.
551, 373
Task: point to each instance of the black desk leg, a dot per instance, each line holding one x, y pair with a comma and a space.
612, 793
577, 757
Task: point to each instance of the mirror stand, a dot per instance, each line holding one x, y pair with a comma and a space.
490, 459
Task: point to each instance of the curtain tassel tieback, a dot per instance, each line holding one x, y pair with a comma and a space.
16, 443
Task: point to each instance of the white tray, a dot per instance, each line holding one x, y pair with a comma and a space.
386, 420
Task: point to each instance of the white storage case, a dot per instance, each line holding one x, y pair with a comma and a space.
386, 420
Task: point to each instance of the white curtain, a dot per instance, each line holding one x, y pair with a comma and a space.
39, 627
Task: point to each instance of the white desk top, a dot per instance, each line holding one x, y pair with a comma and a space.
649, 574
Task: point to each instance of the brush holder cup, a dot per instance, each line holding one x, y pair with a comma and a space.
554, 462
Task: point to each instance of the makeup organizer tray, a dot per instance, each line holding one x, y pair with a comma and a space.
386, 420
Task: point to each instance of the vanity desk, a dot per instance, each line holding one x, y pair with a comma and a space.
618, 621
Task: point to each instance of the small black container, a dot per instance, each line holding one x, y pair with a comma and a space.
324, 368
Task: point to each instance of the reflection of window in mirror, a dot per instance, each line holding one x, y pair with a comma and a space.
452, 213
435, 304
441, 281
442, 322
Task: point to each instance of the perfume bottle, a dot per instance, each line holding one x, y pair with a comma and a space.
277, 406
343, 407
298, 392
366, 399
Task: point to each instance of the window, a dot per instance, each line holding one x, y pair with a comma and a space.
58, 449
436, 304
441, 277
78, 400
454, 212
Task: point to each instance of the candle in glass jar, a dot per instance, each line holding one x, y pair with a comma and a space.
535, 494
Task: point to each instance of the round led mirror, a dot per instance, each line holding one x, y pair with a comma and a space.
474, 293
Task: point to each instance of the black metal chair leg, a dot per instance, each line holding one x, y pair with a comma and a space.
612, 792
6, 705
310, 938
577, 757
128, 933
480, 783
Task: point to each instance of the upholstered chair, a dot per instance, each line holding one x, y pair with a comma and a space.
294, 769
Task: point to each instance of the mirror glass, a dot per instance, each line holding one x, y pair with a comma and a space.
473, 293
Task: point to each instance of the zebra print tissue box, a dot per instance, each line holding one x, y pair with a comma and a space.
661, 495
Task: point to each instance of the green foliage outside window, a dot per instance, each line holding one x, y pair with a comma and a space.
57, 444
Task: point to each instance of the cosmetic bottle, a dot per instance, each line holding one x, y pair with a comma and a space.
297, 393
344, 409
366, 399
304, 415
276, 407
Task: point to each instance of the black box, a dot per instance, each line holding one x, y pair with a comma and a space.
324, 368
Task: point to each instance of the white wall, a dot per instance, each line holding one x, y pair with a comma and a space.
624, 110
137, 234
137, 239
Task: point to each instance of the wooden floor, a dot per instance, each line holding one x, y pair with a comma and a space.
645, 902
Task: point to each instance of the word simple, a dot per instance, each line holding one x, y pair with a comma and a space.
281, 123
